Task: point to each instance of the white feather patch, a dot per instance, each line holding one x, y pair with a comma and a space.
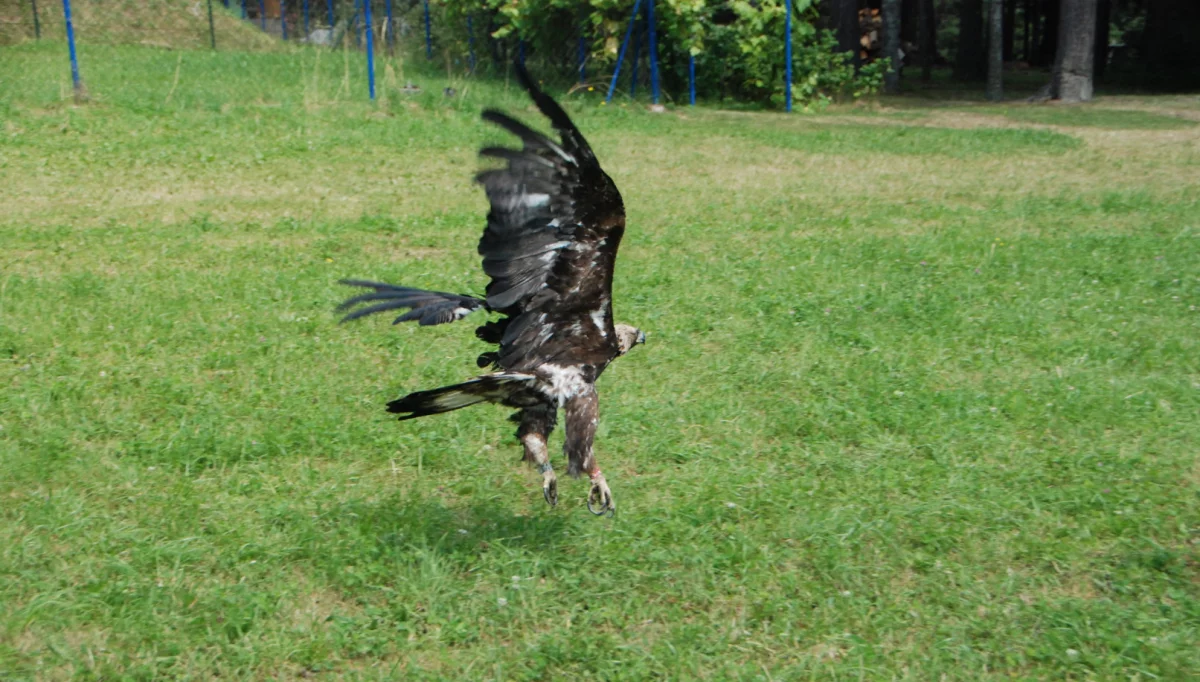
562, 154
535, 200
565, 382
598, 320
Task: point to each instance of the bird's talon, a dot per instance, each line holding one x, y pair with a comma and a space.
549, 483
599, 500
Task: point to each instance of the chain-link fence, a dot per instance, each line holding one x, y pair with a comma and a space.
460, 44
622, 40
461, 38
371, 27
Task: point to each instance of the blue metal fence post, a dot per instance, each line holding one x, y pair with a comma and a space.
244, 14
637, 49
471, 42
428, 37
283, 18
654, 92
521, 51
226, 4
637, 4
329, 5
71, 48
391, 25
354, 24
582, 54
37, 23
787, 54
262, 14
370, 49
306, 17
691, 79
212, 31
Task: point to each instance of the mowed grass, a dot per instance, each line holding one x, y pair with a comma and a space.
919, 400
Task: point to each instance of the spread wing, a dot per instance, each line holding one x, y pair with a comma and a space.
552, 235
428, 307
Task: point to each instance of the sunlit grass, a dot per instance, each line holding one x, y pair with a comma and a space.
919, 398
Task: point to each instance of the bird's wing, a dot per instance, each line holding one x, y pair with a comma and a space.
428, 307
555, 223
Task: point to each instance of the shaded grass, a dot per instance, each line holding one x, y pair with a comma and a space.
917, 402
1093, 117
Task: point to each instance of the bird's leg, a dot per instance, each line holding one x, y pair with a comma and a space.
536, 452
536, 424
583, 414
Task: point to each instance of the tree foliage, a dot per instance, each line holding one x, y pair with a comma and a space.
738, 45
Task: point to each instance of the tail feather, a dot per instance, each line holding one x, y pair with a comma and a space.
495, 388
428, 307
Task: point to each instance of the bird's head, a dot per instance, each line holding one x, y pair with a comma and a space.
629, 336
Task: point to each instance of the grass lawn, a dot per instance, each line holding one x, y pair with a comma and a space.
920, 399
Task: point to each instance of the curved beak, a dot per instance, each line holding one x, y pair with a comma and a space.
641, 336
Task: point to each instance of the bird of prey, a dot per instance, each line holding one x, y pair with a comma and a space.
549, 248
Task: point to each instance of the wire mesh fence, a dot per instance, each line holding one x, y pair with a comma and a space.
284, 27
460, 38
369, 27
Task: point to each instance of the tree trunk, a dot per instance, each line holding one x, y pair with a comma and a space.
909, 23
844, 17
928, 38
1072, 80
1048, 46
1035, 52
1103, 17
995, 76
1028, 21
1010, 26
891, 45
972, 62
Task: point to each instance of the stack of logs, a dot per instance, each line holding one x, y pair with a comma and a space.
870, 41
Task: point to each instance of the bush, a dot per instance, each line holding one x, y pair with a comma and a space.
738, 45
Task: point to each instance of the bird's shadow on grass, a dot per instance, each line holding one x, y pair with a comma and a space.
403, 525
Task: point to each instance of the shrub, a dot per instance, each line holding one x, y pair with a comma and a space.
738, 45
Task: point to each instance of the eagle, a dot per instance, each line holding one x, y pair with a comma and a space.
555, 222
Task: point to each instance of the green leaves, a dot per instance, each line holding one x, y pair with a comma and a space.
738, 45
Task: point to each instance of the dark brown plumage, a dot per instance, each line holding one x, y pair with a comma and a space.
549, 249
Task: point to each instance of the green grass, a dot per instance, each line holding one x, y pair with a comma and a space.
916, 140
1113, 119
165, 24
919, 399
